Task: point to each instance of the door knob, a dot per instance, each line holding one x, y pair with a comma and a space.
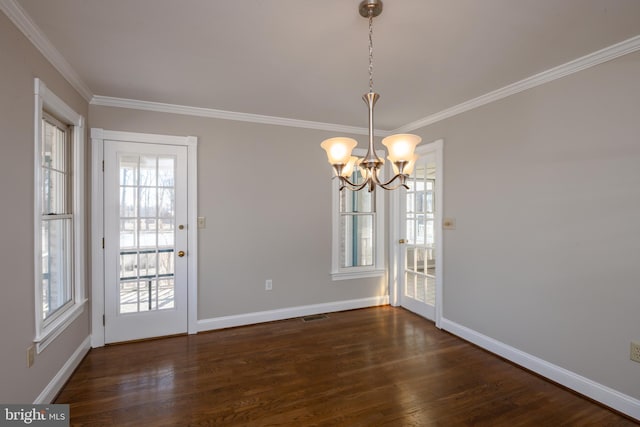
402, 241
181, 254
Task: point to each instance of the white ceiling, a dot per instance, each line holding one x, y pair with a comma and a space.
307, 59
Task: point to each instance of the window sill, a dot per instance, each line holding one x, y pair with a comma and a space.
358, 274
58, 326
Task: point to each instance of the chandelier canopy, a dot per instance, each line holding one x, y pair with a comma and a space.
400, 147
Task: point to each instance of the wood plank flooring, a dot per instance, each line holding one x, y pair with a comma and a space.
369, 367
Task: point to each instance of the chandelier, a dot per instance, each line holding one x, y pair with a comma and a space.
401, 146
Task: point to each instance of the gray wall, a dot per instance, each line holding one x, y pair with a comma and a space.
545, 189
20, 63
266, 193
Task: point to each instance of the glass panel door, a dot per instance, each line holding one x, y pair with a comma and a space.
145, 240
418, 216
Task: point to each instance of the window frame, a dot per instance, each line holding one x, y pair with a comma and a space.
377, 269
46, 102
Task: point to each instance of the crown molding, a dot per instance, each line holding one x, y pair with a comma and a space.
108, 101
21, 19
587, 61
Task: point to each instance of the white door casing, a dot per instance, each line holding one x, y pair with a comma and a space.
158, 315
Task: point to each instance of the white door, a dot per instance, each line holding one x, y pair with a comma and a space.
145, 217
419, 269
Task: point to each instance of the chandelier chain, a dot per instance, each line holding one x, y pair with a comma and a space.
370, 51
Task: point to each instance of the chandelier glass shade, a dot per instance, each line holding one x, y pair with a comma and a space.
400, 147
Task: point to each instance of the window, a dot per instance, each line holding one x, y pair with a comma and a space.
56, 222
59, 233
358, 234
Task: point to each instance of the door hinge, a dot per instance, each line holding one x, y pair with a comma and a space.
103, 320
103, 243
103, 166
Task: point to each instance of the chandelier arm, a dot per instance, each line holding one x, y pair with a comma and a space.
345, 183
386, 187
402, 183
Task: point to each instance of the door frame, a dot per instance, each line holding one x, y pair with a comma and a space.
394, 235
98, 136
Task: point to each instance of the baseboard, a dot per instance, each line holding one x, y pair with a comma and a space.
288, 313
53, 388
598, 392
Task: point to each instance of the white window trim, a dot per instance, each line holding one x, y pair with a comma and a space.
46, 332
346, 273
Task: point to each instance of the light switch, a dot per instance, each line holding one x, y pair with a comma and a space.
202, 222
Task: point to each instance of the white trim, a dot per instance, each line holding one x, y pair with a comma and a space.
98, 136
23, 21
97, 233
571, 67
108, 101
192, 218
59, 325
394, 249
598, 392
45, 99
358, 273
145, 138
288, 313
438, 145
55, 385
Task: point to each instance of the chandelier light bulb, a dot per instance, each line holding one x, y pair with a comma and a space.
338, 149
401, 146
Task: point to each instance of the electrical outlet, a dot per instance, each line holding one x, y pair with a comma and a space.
635, 351
268, 285
31, 356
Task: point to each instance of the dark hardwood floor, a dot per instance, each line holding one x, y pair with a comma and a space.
369, 367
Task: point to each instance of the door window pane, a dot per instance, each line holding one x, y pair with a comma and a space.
148, 171
148, 202
166, 290
128, 170
166, 172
